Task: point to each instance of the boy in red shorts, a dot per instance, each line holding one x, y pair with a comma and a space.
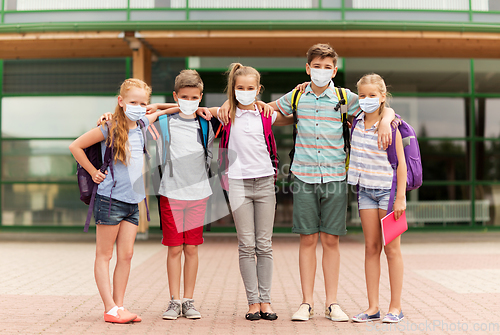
184, 190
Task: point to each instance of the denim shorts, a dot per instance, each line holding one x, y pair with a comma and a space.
120, 211
373, 198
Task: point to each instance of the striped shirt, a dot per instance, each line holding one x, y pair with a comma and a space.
319, 148
369, 166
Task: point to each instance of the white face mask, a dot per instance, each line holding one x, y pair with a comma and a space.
321, 77
188, 107
135, 112
369, 105
246, 97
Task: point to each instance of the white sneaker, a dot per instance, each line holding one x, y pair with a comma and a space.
304, 313
335, 313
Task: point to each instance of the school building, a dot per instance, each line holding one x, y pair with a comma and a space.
61, 63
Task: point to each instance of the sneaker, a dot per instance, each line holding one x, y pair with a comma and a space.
364, 317
173, 311
304, 313
335, 313
189, 311
393, 318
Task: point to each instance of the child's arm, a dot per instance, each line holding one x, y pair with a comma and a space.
224, 110
153, 107
282, 120
86, 140
384, 129
400, 203
154, 115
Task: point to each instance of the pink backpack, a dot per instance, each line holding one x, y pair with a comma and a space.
224, 142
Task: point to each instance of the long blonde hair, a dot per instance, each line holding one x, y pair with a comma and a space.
119, 125
235, 70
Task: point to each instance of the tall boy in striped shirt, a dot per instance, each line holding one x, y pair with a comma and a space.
319, 188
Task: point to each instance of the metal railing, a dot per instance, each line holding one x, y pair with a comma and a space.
448, 211
446, 5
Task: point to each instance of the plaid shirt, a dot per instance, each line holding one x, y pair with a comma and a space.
319, 149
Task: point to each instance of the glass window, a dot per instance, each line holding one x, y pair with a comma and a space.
164, 72
52, 116
444, 160
488, 160
433, 117
37, 161
412, 74
42, 204
488, 118
443, 193
487, 75
64, 75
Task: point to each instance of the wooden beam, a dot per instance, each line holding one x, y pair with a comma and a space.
141, 69
142, 64
283, 43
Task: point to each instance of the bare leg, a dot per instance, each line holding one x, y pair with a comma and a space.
373, 247
124, 251
395, 264
174, 271
331, 266
105, 239
190, 269
307, 266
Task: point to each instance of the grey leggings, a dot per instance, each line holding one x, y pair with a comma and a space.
253, 204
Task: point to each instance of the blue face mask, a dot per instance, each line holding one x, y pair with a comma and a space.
369, 105
134, 113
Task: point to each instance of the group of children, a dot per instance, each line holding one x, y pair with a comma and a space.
319, 188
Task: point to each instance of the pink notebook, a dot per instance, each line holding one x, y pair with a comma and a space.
392, 228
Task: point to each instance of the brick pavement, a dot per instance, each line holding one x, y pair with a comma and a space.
451, 285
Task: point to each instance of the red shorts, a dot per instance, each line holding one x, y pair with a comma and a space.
182, 221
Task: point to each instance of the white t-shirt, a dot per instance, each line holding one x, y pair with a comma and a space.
190, 180
247, 148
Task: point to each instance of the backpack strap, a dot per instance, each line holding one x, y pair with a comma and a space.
163, 120
393, 160
107, 161
144, 129
204, 134
296, 94
142, 125
342, 105
267, 123
223, 161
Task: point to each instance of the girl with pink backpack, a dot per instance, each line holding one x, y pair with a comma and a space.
249, 165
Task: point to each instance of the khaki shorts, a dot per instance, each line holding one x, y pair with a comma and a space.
319, 207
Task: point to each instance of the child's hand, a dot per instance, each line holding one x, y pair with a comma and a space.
204, 112
151, 108
396, 122
104, 117
399, 208
302, 87
265, 108
384, 135
223, 113
98, 176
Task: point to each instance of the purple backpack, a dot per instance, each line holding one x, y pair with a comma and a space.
412, 157
88, 189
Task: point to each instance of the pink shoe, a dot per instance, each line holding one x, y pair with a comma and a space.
123, 317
